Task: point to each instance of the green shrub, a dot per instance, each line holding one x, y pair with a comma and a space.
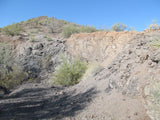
88, 29
49, 39
153, 100
32, 39
11, 73
118, 27
70, 71
11, 78
69, 30
64, 22
12, 30
33, 22
33, 31
155, 44
72, 29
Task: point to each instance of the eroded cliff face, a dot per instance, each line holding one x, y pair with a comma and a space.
99, 46
130, 63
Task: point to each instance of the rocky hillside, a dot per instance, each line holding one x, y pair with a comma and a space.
130, 63
36, 44
122, 66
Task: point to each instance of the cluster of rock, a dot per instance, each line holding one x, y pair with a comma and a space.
40, 58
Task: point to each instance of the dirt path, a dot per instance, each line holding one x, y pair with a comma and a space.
109, 102
33, 101
89, 100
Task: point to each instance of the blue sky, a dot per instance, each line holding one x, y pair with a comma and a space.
136, 13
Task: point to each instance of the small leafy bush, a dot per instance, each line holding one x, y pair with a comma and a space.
11, 74
70, 71
118, 27
87, 29
154, 100
49, 39
33, 22
13, 77
155, 44
33, 31
69, 30
73, 29
32, 39
12, 30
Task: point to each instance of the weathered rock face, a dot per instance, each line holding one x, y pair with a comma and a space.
129, 59
100, 46
40, 58
132, 69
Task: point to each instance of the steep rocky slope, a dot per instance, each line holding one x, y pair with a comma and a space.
121, 83
121, 65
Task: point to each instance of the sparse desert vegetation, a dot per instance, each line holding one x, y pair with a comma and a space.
69, 71
118, 27
69, 30
32, 38
73, 29
12, 30
11, 74
153, 102
39, 68
154, 26
49, 38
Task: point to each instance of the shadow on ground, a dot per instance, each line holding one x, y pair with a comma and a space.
43, 103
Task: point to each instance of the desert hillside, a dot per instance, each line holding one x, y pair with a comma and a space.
120, 80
